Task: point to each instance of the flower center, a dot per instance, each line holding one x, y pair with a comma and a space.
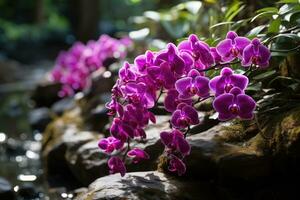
193, 90
255, 60
234, 51
228, 87
135, 98
234, 109
183, 121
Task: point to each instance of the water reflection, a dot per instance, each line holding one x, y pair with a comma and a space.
20, 147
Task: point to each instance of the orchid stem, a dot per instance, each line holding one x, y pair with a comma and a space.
221, 65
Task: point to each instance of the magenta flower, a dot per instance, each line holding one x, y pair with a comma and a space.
144, 61
170, 56
184, 116
256, 54
175, 141
116, 165
162, 75
73, 68
114, 107
232, 47
226, 81
216, 55
121, 130
172, 100
199, 50
234, 104
65, 91
138, 155
177, 165
137, 116
127, 73
193, 84
110, 144
138, 93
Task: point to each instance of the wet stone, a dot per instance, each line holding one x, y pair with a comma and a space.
39, 118
149, 185
63, 105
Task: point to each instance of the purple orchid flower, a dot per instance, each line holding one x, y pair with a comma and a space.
116, 165
256, 54
114, 107
171, 57
127, 73
137, 116
175, 141
138, 93
232, 47
234, 104
177, 165
216, 55
162, 75
184, 116
193, 84
172, 100
121, 130
144, 61
226, 81
199, 50
138, 155
110, 144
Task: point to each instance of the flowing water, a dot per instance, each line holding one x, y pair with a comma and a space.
20, 146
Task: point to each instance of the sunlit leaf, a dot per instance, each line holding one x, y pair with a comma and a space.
274, 26
232, 8
235, 13
139, 34
263, 14
257, 30
271, 9
221, 24
155, 16
289, 1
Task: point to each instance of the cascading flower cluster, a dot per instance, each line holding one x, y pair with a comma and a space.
73, 67
179, 72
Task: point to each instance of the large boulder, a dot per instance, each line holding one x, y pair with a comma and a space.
46, 93
87, 162
212, 158
151, 185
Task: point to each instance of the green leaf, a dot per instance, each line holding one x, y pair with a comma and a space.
221, 24
289, 1
274, 26
264, 75
254, 87
230, 17
176, 29
271, 9
263, 14
255, 31
232, 8
286, 8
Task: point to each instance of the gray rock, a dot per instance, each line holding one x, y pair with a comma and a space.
39, 118
63, 105
211, 158
88, 162
45, 94
151, 185
6, 191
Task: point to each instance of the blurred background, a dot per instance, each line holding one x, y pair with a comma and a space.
33, 32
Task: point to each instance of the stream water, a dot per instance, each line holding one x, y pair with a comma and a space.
20, 161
